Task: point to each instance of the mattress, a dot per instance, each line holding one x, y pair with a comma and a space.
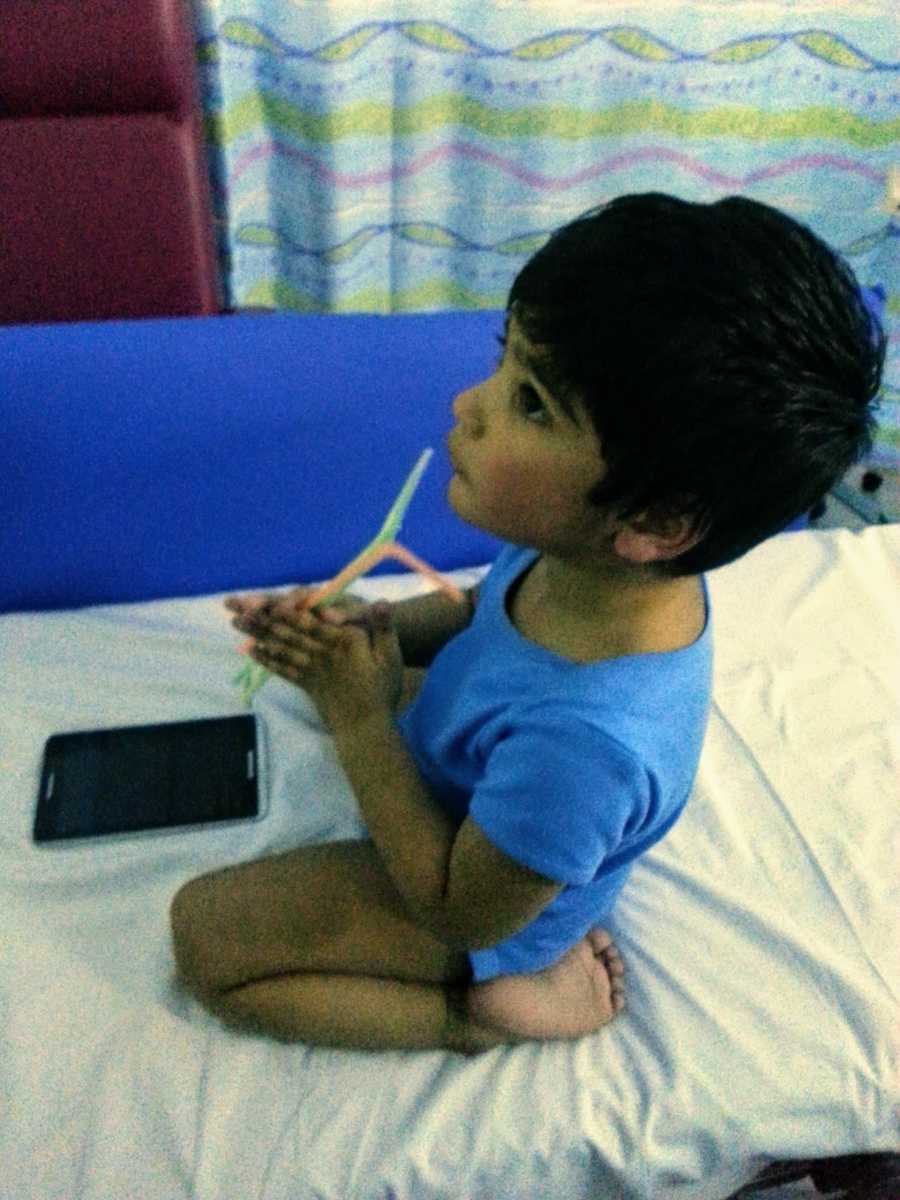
760, 936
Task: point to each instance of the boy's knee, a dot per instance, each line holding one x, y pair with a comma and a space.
188, 944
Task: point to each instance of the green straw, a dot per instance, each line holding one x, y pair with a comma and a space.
253, 676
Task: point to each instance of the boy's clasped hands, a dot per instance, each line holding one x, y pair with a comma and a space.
346, 657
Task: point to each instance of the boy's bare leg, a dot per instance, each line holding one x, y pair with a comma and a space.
576, 996
352, 1012
316, 944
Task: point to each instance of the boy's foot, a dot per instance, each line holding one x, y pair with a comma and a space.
575, 996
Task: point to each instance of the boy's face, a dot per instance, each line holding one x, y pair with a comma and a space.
523, 467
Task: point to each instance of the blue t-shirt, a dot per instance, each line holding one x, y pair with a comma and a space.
573, 769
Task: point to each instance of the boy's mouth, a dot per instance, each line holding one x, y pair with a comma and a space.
453, 459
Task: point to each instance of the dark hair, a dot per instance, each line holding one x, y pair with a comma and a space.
723, 353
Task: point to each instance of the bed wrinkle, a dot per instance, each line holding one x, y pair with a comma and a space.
756, 1089
286, 1127
366, 1135
202, 1099
447, 1138
807, 592
841, 908
803, 844
772, 938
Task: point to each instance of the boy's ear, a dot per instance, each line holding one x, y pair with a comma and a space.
646, 540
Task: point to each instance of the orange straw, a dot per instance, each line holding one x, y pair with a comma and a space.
360, 566
368, 559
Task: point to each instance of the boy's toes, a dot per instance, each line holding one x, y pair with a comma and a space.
613, 960
600, 941
615, 973
606, 951
604, 947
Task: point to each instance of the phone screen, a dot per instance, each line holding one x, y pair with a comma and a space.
145, 778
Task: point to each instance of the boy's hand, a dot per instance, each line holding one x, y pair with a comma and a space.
348, 662
339, 610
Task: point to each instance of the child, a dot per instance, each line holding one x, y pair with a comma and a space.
679, 381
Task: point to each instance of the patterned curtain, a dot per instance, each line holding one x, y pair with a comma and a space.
409, 156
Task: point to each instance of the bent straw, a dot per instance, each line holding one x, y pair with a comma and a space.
367, 560
253, 676
394, 519
360, 565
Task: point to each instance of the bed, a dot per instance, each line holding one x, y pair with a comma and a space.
149, 468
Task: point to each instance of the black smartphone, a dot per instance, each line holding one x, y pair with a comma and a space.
150, 779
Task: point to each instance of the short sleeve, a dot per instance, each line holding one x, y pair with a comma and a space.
559, 795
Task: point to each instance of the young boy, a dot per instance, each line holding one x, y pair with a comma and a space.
679, 381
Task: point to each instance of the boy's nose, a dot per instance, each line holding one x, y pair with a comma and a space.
467, 410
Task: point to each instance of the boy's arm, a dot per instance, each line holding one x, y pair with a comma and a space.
454, 882
425, 624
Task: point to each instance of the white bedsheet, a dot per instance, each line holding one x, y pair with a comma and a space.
761, 937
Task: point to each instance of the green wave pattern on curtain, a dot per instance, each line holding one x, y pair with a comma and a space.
375, 156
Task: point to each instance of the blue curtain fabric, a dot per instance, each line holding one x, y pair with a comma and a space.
375, 156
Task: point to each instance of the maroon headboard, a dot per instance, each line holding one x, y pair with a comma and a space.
105, 207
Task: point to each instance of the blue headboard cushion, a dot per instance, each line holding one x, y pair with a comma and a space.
157, 458
154, 458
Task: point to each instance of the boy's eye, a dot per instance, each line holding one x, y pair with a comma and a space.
531, 405
527, 401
